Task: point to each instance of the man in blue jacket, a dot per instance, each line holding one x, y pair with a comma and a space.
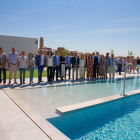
40, 64
68, 63
75, 65
56, 63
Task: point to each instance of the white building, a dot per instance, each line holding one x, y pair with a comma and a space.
20, 43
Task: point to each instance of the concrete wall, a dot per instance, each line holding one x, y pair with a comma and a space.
21, 43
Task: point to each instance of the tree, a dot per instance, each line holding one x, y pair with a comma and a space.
63, 50
84, 53
130, 53
112, 51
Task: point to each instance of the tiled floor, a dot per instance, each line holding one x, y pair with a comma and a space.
15, 125
3, 135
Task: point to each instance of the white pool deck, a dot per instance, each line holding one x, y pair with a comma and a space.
18, 121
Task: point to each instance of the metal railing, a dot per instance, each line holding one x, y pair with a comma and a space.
125, 76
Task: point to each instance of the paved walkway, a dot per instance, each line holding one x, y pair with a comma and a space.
14, 124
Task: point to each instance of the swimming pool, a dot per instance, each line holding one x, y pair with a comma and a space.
112, 120
119, 119
44, 100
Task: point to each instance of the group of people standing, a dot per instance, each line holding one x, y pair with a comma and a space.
96, 65
135, 62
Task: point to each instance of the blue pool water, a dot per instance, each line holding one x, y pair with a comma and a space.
119, 119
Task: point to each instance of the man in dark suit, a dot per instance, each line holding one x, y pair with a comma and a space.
40, 64
96, 65
75, 65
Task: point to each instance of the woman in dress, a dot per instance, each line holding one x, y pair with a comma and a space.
133, 62
127, 61
81, 66
49, 61
85, 69
102, 66
89, 67
31, 62
62, 65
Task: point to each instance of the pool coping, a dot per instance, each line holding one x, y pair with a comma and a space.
51, 84
52, 132
74, 107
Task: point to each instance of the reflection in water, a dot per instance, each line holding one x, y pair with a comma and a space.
44, 100
137, 82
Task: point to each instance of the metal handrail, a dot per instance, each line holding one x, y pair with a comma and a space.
125, 76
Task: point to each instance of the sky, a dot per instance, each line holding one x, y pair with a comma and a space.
77, 25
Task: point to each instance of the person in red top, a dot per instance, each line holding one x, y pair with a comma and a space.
89, 67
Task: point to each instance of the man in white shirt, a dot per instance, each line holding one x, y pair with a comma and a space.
13, 64
22, 66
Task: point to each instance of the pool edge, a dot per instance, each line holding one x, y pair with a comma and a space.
74, 107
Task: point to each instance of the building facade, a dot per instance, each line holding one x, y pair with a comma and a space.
59, 49
44, 48
20, 43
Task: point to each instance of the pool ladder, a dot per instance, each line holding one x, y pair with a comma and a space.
125, 77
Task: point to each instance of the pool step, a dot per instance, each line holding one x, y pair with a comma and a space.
74, 107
